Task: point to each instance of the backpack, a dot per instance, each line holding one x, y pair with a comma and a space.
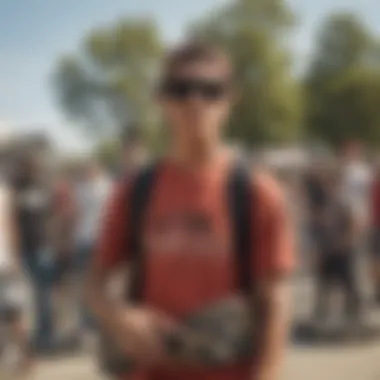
240, 198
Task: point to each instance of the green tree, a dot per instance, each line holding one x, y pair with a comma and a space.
343, 42
254, 32
351, 108
108, 82
342, 81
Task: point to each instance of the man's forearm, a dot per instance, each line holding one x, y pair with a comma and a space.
274, 333
101, 307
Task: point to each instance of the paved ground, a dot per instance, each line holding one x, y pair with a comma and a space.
361, 362
302, 364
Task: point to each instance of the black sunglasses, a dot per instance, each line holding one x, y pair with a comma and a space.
183, 88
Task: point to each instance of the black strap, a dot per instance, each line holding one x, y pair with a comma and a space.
139, 199
241, 202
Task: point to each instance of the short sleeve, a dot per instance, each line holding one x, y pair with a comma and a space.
273, 245
111, 249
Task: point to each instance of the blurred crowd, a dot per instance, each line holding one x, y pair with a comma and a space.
49, 219
50, 216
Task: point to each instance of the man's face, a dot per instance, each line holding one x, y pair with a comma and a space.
196, 100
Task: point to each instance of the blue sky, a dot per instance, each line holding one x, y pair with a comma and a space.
34, 33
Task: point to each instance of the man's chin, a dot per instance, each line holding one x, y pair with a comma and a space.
197, 130
200, 139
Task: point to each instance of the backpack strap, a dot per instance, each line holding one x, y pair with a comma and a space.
138, 203
241, 199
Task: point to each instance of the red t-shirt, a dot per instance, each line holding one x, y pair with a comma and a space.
189, 252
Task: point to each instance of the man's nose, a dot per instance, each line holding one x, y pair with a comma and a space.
195, 100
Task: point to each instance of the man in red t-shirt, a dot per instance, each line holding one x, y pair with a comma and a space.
187, 233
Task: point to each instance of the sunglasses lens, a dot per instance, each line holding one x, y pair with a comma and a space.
213, 91
178, 89
183, 89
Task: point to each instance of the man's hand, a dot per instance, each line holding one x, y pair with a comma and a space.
140, 334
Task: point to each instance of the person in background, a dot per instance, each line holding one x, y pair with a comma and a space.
64, 220
315, 195
92, 191
34, 208
357, 177
315, 189
63, 240
187, 236
11, 298
375, 231
336, 231
356, 186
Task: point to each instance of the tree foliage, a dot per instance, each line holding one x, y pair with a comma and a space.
253, 32
108, 82
343, 82
351, 108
